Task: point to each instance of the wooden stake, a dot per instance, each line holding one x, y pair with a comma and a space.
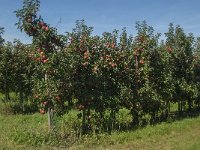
49, 119
49, 114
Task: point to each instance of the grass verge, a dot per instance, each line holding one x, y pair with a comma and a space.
31, 132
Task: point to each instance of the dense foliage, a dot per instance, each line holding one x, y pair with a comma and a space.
99, 75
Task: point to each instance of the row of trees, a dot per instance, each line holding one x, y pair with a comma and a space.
101, 73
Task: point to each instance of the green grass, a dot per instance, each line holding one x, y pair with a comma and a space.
31, 132
183, 134
17, 131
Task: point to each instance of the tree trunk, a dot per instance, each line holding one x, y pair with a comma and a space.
111, 121
49, 114
7, 95
84, 122
21, 96
168, 109
180, 107
135, 117
88, 118
189, 105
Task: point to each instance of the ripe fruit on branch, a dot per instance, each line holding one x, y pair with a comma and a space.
86, 55
142, 61
113, 46
81, 107
45, 103
43, 27
46, 29
41, 24
95, 69
114, 65
107, 45
36, 96
42, 111
108, 57
41, 53
58, 98
85, 64
34, 28
45, 60
169, 49
44, 57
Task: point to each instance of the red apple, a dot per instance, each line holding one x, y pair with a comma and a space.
41, 53
85, 64
142, 61
58, 98
45, 103
42, 111
43, 57
45, 60
43, 27
34, 28
113, 46
41, 24
86, 55
36, 96
46, 29
114, 65
169, 49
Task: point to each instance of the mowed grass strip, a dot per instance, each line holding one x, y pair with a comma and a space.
183, 134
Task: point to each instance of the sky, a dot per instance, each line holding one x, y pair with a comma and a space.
106, 15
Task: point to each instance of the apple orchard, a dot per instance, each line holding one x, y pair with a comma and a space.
100, 75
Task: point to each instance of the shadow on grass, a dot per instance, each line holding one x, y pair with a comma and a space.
184, 114
171, 117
